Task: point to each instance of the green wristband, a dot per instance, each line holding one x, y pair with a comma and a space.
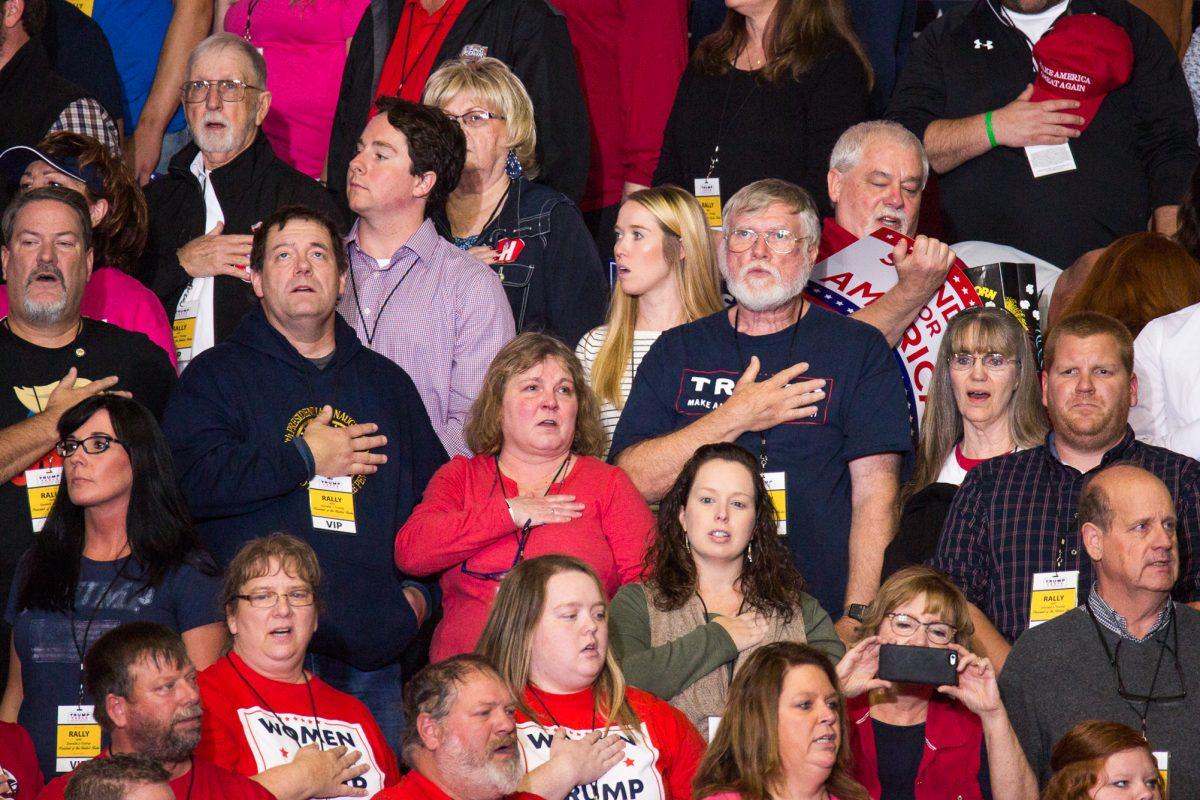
987, 121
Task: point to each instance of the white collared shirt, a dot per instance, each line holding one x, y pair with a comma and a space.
1166, 358
197, 298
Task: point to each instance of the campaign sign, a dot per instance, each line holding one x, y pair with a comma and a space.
634, 777
860, 274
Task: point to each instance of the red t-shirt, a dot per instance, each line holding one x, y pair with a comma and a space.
20, 778
414, 50
415, 786
252, 723
204, 781
834, 239
660, 758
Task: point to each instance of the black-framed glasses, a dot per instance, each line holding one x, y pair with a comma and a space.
475, 118
92, 445
498, 575
228, 91
937, 632
994, 362
266, 599
1125, 694
781, 240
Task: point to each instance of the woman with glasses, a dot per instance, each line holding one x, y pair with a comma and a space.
117, 546
917, 740
719, 584
985, 401
583, 733
531, 235
535, 486
666, 276
265, 715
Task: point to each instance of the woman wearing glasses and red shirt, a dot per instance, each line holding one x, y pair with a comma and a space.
921, 741
117, 547
535, 486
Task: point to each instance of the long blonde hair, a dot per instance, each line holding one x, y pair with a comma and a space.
507, 638
991, 330
689, 253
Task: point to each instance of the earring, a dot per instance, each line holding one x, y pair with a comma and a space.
512, 165
686, 544
750, 553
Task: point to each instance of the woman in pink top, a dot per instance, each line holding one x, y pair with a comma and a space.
783, 736
535, 487
305, 44
120, 224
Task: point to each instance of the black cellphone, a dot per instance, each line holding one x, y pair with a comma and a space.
903, 663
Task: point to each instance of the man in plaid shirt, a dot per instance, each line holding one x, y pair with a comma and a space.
1015, 521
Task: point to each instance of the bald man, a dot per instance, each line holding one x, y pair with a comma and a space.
1131, 652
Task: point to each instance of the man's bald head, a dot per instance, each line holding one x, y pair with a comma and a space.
1127, 523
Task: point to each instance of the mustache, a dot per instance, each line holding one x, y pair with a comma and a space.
764, 266
214, 116
192, 712
44, 269
899, 214
505, 741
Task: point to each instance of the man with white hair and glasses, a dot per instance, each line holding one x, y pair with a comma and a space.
816, 397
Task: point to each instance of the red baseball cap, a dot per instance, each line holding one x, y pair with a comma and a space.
1083, 57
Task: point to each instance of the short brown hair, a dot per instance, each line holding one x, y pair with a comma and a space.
279, 219
253, 560
58, 194
435, 144
432, 691
1078, 757
483, 432
1090, 323
941, 597
113, 777
107, 662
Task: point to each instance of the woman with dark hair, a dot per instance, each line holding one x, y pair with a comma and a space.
784, 732
719, 583
117, 546
120, 223
766, 96
536, 485
1102, 760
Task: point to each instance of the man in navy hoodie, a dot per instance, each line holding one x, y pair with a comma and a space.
292, 424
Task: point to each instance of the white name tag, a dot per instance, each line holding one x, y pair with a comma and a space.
777, 490
1049, 159
77, 737
1161, 760
1053, 593
708, 192
42, 486
713, 724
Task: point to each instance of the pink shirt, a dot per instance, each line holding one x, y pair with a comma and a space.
304, 43
463, 518
116, 298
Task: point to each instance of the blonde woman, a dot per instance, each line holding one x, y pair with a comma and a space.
531, 235
547, 635
666, 276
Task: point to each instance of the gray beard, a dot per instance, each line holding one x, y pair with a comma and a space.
50, 313
170, 748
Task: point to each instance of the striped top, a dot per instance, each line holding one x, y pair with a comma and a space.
587, 350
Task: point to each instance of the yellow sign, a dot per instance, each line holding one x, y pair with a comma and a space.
85, 6
331, 501
1053, 593
776, 483
183, 331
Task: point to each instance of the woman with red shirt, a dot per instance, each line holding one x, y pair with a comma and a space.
535, 487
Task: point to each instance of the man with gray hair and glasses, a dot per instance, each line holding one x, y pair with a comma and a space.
816, 397
216, 191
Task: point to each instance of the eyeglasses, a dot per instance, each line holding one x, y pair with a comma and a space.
474, 118
92, 445
781, 241
264, 599
498, 575
994, 362
905, 626
228, 91
1125, 694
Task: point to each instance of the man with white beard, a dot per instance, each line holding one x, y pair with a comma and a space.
815, 396
215, 193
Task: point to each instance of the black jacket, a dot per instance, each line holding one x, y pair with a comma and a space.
530, 36
249, 188
32, 96
556, 283
1137, 154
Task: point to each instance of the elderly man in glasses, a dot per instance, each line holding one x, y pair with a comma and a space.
215, 193
1130, 653
816, 397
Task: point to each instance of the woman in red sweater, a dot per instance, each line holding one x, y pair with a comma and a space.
536, 486
580, 730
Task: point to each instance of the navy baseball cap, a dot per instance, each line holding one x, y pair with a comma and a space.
15, 160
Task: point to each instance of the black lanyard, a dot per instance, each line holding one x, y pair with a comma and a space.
312, 701
742, 365
550, 713
406, 71
729, 667
87, 630
253, 4
721, 126
379, 311
1112, 662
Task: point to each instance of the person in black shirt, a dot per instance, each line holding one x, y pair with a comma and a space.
47, 258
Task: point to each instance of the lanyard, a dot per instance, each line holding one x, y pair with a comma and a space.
406, 70
1112, 662
87, 630
1007, 20
721, 127
253, 4
762, 435
729, 667
379, 315
312, 701
550, 713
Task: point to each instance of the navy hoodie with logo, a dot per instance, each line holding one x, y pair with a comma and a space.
231, 421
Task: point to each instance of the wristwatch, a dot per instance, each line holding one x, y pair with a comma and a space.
856, 611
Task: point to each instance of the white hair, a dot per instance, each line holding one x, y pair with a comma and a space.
850, 145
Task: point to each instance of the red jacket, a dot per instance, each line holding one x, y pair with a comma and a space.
949, 767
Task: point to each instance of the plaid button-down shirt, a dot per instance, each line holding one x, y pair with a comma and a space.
439, 313
1015, 514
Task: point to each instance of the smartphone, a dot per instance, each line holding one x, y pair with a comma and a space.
901, 663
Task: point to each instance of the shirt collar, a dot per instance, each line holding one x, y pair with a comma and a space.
422, 244
1114, 622
1114, 453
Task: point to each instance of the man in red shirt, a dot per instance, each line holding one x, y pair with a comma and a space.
20, 778
148, 704
123, 775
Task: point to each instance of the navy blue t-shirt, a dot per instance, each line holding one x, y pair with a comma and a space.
186, 599
692, 369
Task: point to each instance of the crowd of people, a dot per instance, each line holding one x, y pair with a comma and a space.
515, 400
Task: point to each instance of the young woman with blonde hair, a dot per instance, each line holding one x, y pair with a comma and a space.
666, 276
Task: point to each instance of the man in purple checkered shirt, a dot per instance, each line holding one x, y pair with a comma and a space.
412, 296
1015, 517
